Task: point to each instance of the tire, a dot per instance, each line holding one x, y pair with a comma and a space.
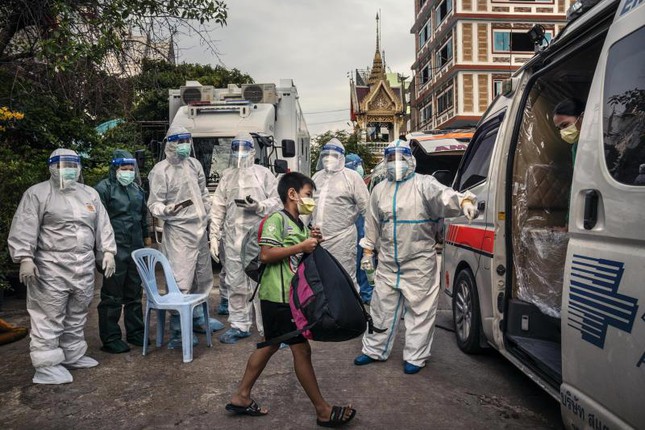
465, 313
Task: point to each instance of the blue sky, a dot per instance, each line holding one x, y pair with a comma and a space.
314, 42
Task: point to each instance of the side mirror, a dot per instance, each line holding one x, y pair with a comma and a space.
288, 148
140, 156
280, 166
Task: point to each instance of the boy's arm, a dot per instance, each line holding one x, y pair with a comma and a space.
275, 254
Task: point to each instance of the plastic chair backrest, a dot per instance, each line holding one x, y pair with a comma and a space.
146, 259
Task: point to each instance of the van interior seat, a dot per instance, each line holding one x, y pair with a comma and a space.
543, 240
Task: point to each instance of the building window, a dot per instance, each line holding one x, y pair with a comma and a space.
444, 101
444, 54
497, 87
442, 11
509, 41
426, 113
424, 35
425, 74
522, 1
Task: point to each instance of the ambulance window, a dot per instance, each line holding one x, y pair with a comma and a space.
624, 110
475, 167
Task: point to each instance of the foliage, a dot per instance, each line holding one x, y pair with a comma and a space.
157, 77
349, 141
62, 33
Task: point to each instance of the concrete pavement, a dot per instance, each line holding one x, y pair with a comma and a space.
454, 391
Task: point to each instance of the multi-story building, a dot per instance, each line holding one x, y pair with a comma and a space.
465, 49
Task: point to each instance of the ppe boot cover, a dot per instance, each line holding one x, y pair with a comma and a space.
52, 375
84, 362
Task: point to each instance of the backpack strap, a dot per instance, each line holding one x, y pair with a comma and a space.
284, 337
285, 226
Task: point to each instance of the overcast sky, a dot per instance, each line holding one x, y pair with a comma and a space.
314, 42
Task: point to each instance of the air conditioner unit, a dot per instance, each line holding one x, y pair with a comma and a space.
191, 94
260, 93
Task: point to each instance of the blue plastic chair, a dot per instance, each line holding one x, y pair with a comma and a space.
146, 259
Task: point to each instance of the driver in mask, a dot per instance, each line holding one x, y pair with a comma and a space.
179, 197
55, 230
402, 211
246, 193
341, 197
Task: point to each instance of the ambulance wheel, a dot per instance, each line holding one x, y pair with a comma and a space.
465, 313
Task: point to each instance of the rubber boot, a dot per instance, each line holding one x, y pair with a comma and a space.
175, 333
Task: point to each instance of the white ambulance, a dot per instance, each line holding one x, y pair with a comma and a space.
552, 272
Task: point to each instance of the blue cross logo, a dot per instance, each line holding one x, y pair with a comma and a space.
594, 302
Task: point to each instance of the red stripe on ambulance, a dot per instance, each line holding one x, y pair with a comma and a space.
477, 239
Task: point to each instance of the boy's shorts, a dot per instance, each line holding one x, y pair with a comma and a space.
277, 320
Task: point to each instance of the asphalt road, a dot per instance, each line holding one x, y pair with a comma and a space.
454, 391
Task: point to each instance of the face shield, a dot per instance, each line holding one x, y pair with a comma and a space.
127, 171
332, 157
399, 162
242, 151
182, 142
65, 169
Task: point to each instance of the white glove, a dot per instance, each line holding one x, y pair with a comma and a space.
367, 262
215, 250
470, 211
108, 265
250, 205
171, 210
28, 272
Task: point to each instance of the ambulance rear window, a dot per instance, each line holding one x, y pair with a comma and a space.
624, 110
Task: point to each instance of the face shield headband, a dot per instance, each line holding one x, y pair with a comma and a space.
180, 138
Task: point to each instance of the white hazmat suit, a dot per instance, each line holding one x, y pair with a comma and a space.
174, 180
58, 226
341, 196
232, 220
401, 216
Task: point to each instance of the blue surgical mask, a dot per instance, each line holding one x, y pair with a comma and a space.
360, 171
125, 177
69, 173
183, 150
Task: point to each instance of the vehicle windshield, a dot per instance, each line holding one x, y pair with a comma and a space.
213, 154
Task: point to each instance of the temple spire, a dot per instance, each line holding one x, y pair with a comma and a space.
378, 70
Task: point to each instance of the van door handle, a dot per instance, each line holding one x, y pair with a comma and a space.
481, 206
591, 209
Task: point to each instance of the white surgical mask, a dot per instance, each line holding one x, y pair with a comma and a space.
330, 163
125, 177
397, 170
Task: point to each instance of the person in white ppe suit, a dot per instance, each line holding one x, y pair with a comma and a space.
341, 197
179, 197
246, 193
55, 231
400, 219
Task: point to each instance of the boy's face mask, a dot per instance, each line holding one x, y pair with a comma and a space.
306, 205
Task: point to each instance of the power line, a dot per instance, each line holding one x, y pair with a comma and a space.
328, 122
326, 111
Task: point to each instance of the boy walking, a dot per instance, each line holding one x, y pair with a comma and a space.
281, 252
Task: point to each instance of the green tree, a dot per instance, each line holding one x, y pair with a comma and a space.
349, 141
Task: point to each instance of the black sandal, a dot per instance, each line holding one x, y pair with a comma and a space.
252, 410
337, 417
